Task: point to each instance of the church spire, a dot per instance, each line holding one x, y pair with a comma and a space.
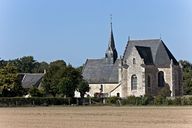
111, 53
111, 39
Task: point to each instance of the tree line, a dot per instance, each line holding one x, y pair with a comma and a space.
60, 79
187, 77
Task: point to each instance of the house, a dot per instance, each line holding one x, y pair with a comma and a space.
144, 69
30, 80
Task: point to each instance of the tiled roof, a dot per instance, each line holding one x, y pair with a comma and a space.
100, 71
154, 52
145, 53
160, 53
30, 80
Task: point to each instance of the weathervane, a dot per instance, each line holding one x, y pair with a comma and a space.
111, 18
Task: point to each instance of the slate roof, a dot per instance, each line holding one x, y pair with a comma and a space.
145, 53
99, 71
30, 80
161, 55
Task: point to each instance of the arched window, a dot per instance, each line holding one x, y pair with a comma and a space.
148, 81
161, 81
133, 82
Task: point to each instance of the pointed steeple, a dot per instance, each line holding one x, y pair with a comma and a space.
111, 52
111, 39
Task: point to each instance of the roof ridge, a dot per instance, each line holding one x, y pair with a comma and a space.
158, 50
142, 46
95, 59
84, 66
144, 39
126, 48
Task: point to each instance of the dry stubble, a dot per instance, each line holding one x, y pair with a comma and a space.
96, 117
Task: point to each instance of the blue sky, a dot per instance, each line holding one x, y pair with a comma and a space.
74, 30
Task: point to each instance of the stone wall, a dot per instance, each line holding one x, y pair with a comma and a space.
177, 80
134, 65
107, 89
172, 77
134, 62
152, 72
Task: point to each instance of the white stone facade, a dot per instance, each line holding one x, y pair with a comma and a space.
107, 90
172, 78
146, 67
147, 78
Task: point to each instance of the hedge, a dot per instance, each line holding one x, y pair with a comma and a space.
131, 101
148, 100
34, 101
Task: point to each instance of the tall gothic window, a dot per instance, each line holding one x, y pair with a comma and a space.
149, 81
133, 82
161, 81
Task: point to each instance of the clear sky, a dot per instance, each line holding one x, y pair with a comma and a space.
74, 30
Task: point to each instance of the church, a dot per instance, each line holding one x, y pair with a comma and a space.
145, 68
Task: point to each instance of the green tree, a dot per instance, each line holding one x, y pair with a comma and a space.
40, 67
24, 64
3, 63
80, 69
53, 76
27, 64
187, 77
83, 87
73, 74
35, 92
66, 87
9, 82
54, 80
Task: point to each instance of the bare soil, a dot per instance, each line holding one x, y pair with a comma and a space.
96, 117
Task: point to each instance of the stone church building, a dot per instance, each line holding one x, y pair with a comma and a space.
144, 69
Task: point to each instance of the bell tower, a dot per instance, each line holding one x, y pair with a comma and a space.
111, 52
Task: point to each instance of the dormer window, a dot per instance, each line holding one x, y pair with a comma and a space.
134, 61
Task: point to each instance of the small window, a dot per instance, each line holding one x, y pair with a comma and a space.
101, 89
134, 61
161, 81
118, 94
133, 82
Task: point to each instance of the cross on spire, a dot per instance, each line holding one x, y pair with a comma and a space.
111, 19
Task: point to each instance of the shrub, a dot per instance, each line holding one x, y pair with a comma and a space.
189, 100
159, 100
20, 101
165, 92
177, 101
96, 100
35, 92
130, 100
112, 100
147, 100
